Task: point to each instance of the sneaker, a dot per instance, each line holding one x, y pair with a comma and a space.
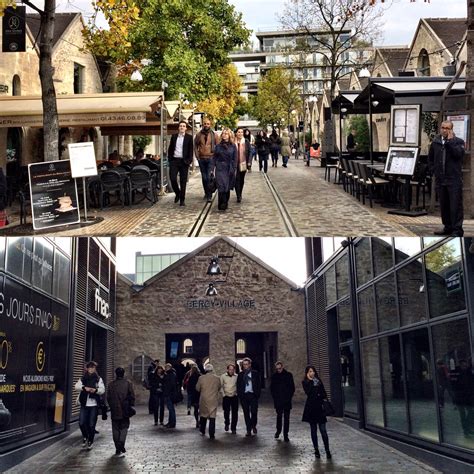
89, 445
119, 454
84, 442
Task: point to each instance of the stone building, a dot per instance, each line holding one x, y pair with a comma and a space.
257, 312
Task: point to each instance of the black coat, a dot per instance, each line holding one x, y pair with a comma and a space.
170, 387
275, 142
187, 148
453, 165
191, 388
263, 145
282, 388
313, 408
224, 162
256, 384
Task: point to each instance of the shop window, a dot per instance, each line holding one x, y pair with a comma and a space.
364, 262
367, 320
455, 382
19, 257
393, 383
3, 242
330, 284
411, 293
419, 380
382, 254
445, 279
241, 346
61, 276
42, 276
348, 379
371, 383
345, 321
387, 312
406, 247
139, 264
342, 277
148, 263
188, 346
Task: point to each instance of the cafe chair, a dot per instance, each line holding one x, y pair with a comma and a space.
354, 178
346, 175
111, 181
25, 202
141, 182
331, 164
371, 182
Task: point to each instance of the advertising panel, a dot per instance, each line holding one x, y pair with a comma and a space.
33, 343
401, 160
54, 200
14, 30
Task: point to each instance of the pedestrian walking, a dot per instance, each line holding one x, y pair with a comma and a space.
313, 409
248, 391
193, 394
120, 396
285, 148
180, 156
351, 143
170, 394
282, 388
91, 387
204, 147
445, 159
253, 151
156, 381
223, 167
146, 383
230, 400
262, 144
275, 143
244, 161
208, 386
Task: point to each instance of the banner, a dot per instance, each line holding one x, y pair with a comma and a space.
54, 200
14, 30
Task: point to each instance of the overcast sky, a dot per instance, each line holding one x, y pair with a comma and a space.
400, 19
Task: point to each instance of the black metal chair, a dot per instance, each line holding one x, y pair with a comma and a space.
25, 202
331, 163
141, 181
371, 182
112, 181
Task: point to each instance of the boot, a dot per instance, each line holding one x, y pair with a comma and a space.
328, 453
317, 454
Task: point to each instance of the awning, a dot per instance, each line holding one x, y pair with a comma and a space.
90, 110
346, 100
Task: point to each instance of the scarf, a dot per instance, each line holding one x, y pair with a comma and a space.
241, 151
90, 380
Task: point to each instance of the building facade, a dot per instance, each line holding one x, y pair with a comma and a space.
57, 310
390, 324
256, 313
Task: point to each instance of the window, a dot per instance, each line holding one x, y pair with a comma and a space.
411, 293
78, 79
342, 277
16, 85
330, 283
42, 276
240, 346
19, 257
348, 379
382, 254
345, 321
61, 276
445, 279
386, 303
372, 386
140, 367
188, 346
406, 247
424, 68
364, 262
367, 320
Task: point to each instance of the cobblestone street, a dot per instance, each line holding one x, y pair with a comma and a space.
315, 207
157, 449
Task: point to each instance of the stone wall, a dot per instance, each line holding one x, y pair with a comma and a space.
163, 306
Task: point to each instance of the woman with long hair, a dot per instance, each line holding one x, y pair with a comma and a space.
223, 166
275, 143
155, 381
262, 142
244, 161
253, 152
313, 409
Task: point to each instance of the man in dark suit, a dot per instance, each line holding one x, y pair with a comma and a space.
180, 156
248, 390
445, 158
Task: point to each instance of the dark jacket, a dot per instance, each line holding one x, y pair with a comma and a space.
155, 382
262, 144
313, 408
275, 142
3, 190
118, 391
187, 148
282, 388
191, 388
170, 387
224, 162
256, 384
452, 173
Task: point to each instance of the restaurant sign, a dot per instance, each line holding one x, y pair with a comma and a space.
14, 30
72, 120
53, 191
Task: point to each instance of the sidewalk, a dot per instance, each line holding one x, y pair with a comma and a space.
157, 449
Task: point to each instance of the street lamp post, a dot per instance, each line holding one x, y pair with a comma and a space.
164, 85
366, 73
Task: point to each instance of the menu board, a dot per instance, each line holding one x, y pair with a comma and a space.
405, 122
401, 160
53, 190
461, 127
82, 158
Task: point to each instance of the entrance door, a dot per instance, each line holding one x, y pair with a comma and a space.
261, 347
96, 347
187, 347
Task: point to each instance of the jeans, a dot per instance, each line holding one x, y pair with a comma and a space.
177, 165
283, 414
159, 407
249, 404
285, 160
274, 154
119, 433
205, 167
228, 404
87, 421
263, 161
171, 412
324, 435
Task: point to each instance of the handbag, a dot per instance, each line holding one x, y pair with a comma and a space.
212, 186
243, 166
328, 409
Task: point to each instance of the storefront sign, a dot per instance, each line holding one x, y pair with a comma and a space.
53, 191
405, 125
14, 30
453, 281
401, 160
100, 305
33, 355
3, 88
82, 158
220, 304
461, 127
72, 120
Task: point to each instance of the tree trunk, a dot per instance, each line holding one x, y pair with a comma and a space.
469, 205
48, 94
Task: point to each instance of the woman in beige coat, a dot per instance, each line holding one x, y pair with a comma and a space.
209, 386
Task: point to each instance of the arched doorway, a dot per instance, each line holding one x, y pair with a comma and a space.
424, 68
16, 85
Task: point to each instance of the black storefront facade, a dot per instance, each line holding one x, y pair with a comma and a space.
390, 329
57, 297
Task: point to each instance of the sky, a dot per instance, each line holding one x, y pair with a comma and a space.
286, 255
400, 19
